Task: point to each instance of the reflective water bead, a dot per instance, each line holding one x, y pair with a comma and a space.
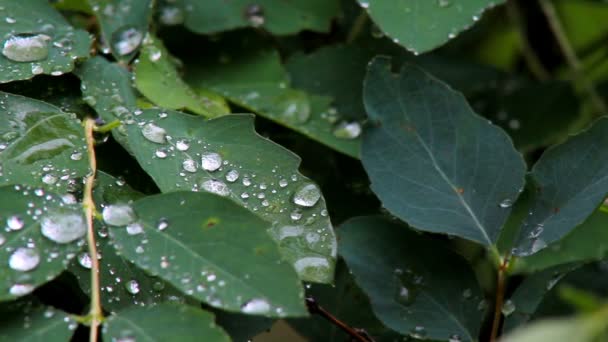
232, 176
211, 161
118, 214
15, 222
256, 306
154, 133
307, 195
63, 226
24, 259
26, 47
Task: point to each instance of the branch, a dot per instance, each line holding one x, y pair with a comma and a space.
356, 334
500, 297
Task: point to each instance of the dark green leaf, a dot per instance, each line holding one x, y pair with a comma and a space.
157, 78
40, 145
571, 181
416, 286
21, 323
250, 74
124, 24
41, 235
211, 249
164, 322
38, 40
432, 161
422, 25
276, 16
241, 327
227, 157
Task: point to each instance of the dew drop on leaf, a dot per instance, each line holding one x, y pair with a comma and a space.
506, 203
154, 133
347, 130
21, 289
307, 195
216, 187
182, 145
63, 226
84, 260
24, 259
256, 306
508, 307
126, 40
132, 286
118, 214
232, 176
211, 161
76, 155
15, 222
26, 47
163, 223
255, 15
171, 15
135, 228
190, 165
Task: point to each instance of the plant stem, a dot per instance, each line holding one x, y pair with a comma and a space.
315, 308
570, 55
95, 313
500, 296
532, 60
107, 127
358, 25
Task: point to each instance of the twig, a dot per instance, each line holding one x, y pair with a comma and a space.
358, 25
356, 334
570, 55
532, 60
500, 297
95, 313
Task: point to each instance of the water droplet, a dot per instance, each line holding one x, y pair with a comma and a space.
256, 306
444, 3
506, 203
171, 15
535, 233
15, 222
455, 338
49, 178
126, 40
132, 287
190, 165
135, 228
21, 289
211, 161
283, 183
85, 260
347, 130
163, 223
118, 214
296, 215
508, 307
26, 47
364, 3
418, 332
307, 195
161, 153
37, 69
24, 259
182, 145
154, 133
63, 226
2, 239
232, 176
76, 155
311, 264
216, 187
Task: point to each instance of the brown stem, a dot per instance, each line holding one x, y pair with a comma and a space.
356, 334
500, 297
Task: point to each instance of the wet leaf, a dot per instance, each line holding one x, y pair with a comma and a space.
20, 322
211, 249
225, 156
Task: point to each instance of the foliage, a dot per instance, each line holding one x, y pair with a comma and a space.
365, 170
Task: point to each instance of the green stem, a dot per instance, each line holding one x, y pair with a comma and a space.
107, 127
570, 55
357, 27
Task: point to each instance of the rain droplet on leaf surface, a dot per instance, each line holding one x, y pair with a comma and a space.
307, 195
63, 226
211, 161
15, 222
232, 176
255, 15
135, 228
85, 260
132, 286
256, 306
21, 289
126, 40
347, 130
118, 214
154, 133
26, 47
24, 259
216, 187
508, 307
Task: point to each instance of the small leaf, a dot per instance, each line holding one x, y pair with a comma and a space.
41, 235
276, 16
432, 161
571, 181
157, 78
38, 40
423, 25
124, 24
163, 322
249, 74
40, 145
41, 324
410, 280
225, 156
212, 250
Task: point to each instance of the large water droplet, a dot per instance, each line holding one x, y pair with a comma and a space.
126, 40
182, 145
24, 259
255, 15
132, 286
190, 165
232, 176
216, 187
307, 195
21, 289
211, 161
506, 203
26, 47
154, 133
256, 306
118, 214
135, 228
85, 260
63, 226
347, 130
170, 15
15, 222
508, 307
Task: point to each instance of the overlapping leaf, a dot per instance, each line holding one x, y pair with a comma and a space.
225, 156
22, 323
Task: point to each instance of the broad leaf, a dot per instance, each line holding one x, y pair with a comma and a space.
571, 181
410, 280
38, 40
41, 235
575, 329
209, 248
124, 23
225, 156
21, 323
242, 327
422, 25
157, 78
276, 16
249, 74
40, 145
432, 161
164, 322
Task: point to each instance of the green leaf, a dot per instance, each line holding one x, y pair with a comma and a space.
571, 183
42, 233
410, 280
423, 25
242, 327
432, 161
124, 23
20, 323
40, 145
276, 16
225, 156
211, 249
250, 75
588, 241
157, 78
163, 322
107, 88
38, 40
